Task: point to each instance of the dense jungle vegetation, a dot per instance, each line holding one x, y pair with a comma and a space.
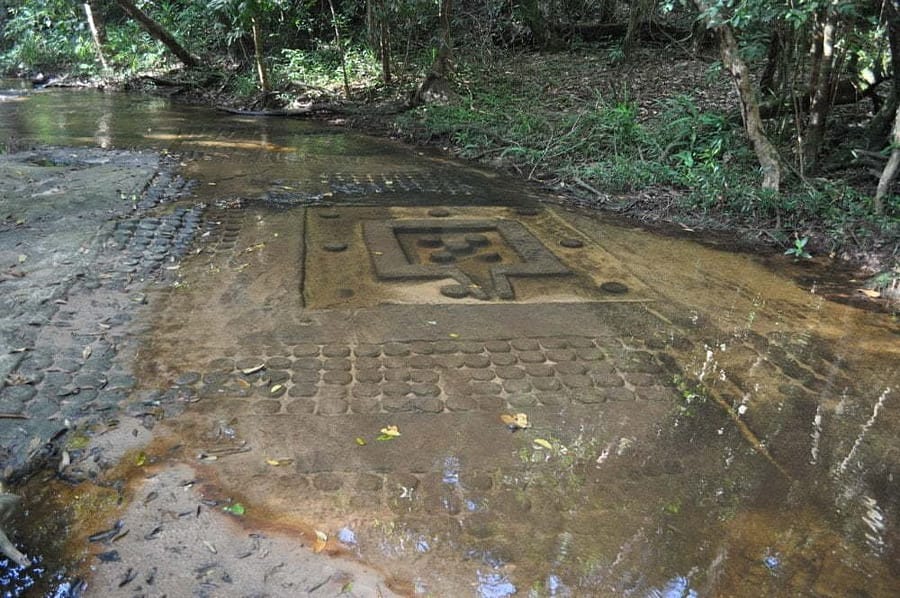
778, 117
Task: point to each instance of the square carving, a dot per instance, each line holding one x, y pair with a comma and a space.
480, 255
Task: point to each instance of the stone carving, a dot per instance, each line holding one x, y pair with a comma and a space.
448, 242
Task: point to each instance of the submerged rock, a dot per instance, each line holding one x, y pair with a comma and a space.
8, 504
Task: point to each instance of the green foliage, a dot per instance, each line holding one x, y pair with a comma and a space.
44, 35
132, 50
691, 396
621, 174
799, 248
245, 85
321, 67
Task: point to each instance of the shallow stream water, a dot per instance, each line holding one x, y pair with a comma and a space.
700, 424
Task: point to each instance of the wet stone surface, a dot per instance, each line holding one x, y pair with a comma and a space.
350, 185
392, 376
89, 249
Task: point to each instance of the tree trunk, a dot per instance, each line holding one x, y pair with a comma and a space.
98, 10
340, 46
259, 58
156, 30
890, 169
385, 48
436, 85
821, 86
380, 35
537, 24
446, 10
606, 12
95, 34
636, 13
878, 127
766, 153
767, 78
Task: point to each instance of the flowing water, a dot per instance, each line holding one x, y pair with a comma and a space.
699, 422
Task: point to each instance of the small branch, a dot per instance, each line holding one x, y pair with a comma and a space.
584, 185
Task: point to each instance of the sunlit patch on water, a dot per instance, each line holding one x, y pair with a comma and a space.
816, 436
451, 471
879, 404
677, 587
494, 585
875, 521
38, 579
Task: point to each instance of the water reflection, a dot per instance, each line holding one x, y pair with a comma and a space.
37, 579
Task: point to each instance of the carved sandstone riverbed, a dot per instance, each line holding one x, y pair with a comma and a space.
697, 423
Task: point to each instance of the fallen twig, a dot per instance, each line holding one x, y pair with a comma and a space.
584, 185
310, 110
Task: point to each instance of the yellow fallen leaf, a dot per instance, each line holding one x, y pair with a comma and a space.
276, 388
321, 540
453, 335
279, 462
360, 441
243, 383
543, 444
254, 369
870, 293
390, 431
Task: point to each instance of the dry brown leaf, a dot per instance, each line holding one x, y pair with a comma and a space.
519, 421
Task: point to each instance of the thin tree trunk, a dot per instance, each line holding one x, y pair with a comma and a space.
766, 153
95, 34
446, 9
767, 79
637, 14
156, 30
878, 127
534, 20
821, 95
385, 48
97, 7
258, 57
337, 40
436, 82
606, 12
890, 169
384, 40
